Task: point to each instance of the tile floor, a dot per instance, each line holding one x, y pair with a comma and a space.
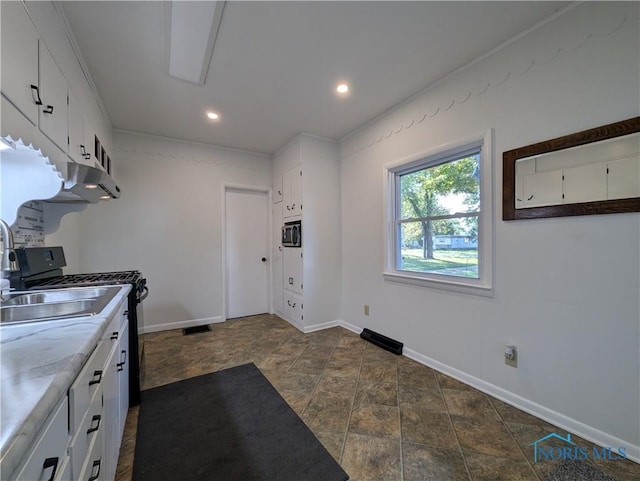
382, 417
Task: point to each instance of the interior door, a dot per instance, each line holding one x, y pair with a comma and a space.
247, 252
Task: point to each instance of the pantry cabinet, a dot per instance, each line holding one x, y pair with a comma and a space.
306, 289
292, 193
293, 280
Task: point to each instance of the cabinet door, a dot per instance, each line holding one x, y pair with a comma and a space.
584, 183
623, 178
111, 405
286, 195
296, 192
293, 308
77, 150
123, 367
542, 188
277, 260
19, 44
49, 451
53, 114
91, 426
293, 269
277, 190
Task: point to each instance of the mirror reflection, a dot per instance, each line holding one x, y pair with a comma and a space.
605, 170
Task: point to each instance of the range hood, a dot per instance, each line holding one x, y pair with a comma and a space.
86, 184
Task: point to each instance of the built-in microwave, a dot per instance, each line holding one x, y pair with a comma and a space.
292, 234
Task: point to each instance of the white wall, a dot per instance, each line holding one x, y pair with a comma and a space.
167, 224
566, 289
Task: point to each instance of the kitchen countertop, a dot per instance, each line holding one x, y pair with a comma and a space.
39, 361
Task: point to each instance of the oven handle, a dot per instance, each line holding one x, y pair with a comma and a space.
145, 289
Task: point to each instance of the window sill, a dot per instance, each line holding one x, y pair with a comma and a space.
472, 287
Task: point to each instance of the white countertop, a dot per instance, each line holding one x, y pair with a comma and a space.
38, 363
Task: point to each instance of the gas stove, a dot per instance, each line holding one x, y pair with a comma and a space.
91, 279
41, 268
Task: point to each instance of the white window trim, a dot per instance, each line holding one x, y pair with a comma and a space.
482, 286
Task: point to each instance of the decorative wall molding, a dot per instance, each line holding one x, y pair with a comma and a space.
198, 152
606, 28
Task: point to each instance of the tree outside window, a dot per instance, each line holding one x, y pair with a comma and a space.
437, 212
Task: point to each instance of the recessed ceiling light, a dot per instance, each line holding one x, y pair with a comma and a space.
91, 186
213, 116
342, 88
105, 197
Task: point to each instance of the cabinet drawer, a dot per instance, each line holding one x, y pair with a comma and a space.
49, 450
92, 467
90, 428
89, 381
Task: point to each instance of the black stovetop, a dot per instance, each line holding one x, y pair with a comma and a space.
92, 279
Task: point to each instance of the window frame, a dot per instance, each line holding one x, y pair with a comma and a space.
483, 285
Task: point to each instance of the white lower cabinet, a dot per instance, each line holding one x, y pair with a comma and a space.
115, 400
49, 450
292, 268
81, 439
293, 307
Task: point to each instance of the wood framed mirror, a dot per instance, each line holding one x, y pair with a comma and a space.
596, 171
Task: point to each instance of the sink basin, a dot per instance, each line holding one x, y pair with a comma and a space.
56, 304
54, 310
58, 295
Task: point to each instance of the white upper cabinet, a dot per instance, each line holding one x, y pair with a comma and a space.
543, 188
623, 178
277, 190
19, 59
585, 183
81, 135
292, 193
53, 114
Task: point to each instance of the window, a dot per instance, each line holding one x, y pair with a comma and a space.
439, 218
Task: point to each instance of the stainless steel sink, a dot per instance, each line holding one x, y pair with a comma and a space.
56, 304
58, 295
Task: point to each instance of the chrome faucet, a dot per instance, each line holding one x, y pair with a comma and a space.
9, 258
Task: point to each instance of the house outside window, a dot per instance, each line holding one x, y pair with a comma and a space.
439, 217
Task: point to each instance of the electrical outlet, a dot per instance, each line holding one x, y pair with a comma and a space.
366, 309
510, 355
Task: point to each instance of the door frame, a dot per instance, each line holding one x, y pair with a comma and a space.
247, 188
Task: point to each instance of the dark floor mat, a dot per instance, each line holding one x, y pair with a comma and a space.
229, 425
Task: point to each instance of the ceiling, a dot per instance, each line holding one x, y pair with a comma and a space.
275, 65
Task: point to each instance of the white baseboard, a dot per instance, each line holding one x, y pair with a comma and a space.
564, 422
182, 324
321, 326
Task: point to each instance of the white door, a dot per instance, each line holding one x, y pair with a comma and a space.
247, 252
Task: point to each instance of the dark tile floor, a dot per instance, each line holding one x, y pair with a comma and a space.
382, 417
